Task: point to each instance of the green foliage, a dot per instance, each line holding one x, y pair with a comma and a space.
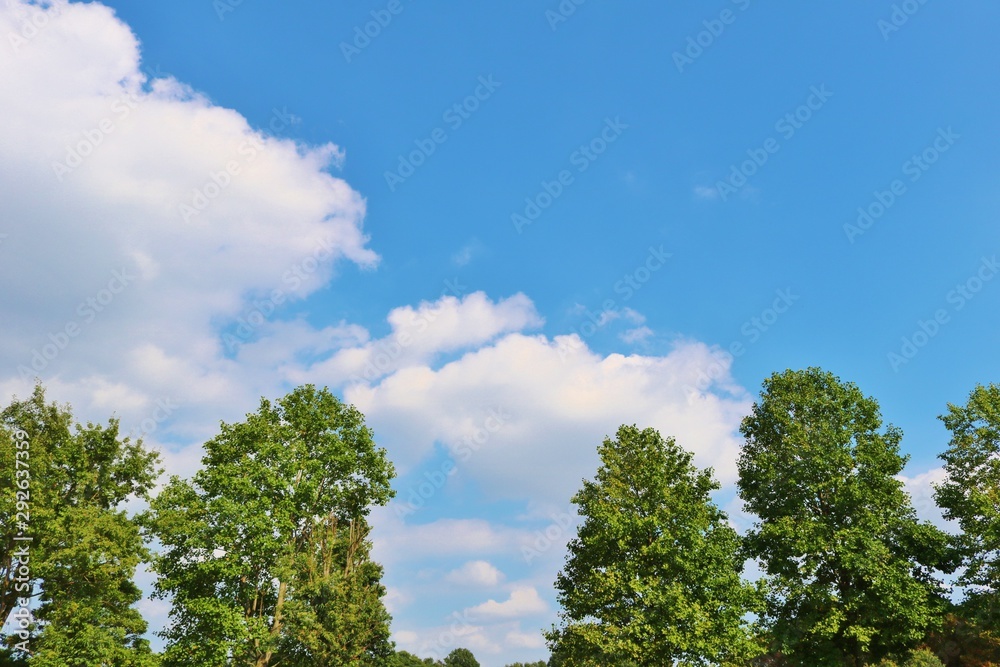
404, 659
85, 548
653, 576
923, 658
461, 657
849, 565
265, 552
971, 495
540, 663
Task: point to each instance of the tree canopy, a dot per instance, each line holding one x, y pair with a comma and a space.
653, 576
265, 552
849, 566
64, 486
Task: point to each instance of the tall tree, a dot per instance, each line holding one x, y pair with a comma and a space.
264, 553
850, 567
653, 576
971, 495
68, 484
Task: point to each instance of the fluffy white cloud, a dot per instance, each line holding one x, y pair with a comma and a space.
524, 414
523, 601
475, 573
139, 218
418, 335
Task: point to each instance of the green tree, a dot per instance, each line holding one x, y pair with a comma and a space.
84, 548
653, 576
265, 552
970, 494
405, 659
461, 657
850, 567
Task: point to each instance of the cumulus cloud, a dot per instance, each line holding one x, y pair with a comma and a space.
524, 414
141, 220
418, 335
395, 540
475, 573
523, 601
637, 335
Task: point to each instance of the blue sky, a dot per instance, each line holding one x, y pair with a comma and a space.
640, 119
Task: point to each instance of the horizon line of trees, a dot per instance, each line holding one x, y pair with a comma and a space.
264, 554
849, 576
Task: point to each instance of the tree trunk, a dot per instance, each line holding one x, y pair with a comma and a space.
265, 660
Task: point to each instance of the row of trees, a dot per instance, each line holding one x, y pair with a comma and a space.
264, 555
848, 574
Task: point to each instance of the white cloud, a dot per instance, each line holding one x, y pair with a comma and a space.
396, 599
395, 541
475, 573
467, 253
518, 639
921, 490
132, 238
524, 415
637, 335
420, 334
523, 601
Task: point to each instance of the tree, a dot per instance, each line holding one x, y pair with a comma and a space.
850, 567
265, 552
653, 576
461, 657
405, 659
68, 485
970, 494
